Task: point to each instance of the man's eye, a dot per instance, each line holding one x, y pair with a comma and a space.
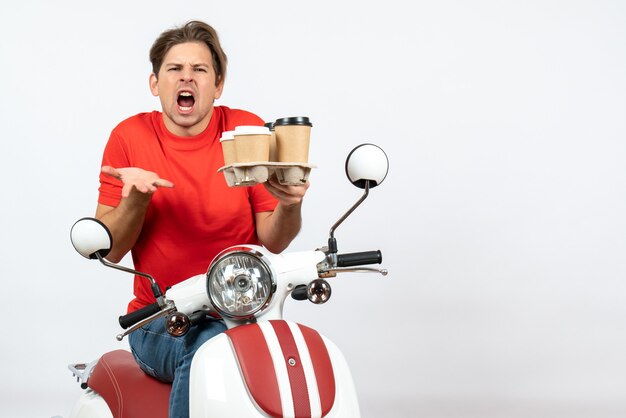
173, 69
202, 70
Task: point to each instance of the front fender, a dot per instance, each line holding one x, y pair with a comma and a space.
273, 368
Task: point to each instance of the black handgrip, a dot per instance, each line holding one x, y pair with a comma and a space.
359, 259
132, 318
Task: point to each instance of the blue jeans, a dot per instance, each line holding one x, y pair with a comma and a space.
168, 358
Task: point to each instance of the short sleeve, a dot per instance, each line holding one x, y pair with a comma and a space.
110, 191
261, 200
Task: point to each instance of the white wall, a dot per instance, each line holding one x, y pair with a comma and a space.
501, 221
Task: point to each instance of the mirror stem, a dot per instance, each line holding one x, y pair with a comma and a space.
153, 284
332, 242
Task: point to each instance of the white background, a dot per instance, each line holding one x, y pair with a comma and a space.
502, 220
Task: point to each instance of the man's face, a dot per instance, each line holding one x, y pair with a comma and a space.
186, 88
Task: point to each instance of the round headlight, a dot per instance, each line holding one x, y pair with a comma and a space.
240, 283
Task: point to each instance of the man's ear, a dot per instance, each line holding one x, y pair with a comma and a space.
154, 84
219, 89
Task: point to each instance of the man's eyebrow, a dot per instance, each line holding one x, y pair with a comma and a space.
177, 64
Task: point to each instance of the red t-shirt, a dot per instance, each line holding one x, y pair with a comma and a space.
187, 226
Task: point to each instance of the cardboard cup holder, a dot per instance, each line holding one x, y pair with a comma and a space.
249, 174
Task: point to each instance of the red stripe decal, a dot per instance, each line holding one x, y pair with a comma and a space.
299, 391
322, 366
257, 367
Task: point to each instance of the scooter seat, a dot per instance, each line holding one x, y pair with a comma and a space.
129, 392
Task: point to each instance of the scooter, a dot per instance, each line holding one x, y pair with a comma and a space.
263, 365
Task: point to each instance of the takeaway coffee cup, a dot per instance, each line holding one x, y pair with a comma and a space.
228, 147
252, 144
293, 135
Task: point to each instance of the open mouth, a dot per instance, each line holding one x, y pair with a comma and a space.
185, 101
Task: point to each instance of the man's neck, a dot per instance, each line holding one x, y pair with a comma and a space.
192, 130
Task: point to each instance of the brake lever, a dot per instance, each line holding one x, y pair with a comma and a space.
333, 271
143, 322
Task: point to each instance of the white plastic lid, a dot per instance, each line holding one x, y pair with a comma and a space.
227, 135
252, 130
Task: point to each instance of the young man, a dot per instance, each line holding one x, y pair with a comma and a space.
163, 199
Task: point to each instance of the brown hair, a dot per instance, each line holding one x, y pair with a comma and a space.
192, 31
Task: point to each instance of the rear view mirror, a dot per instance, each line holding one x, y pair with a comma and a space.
367, 162
90, 236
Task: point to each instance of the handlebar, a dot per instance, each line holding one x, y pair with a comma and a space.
132, 318
359, 259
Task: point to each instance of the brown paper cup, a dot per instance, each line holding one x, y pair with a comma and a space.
273, 156
252, 144
228, 147
293, 136
273, 149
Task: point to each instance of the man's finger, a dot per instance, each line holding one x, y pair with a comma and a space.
163, 183
110, 171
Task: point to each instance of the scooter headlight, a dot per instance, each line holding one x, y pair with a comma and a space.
240, 283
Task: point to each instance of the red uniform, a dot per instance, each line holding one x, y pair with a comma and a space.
188, 225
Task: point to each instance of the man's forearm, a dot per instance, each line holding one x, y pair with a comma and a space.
126, 220
280, 227
125, 223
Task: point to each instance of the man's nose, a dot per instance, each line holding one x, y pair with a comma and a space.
187, 74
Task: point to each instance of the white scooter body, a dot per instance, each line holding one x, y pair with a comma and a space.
218, 385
